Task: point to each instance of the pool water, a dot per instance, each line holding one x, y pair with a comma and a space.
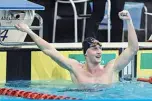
121, 90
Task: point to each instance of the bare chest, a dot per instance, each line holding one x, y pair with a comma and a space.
100, 77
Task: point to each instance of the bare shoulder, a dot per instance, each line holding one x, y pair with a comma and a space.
110, 64
76, 66
75, 63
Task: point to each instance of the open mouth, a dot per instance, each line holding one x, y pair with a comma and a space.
99, 56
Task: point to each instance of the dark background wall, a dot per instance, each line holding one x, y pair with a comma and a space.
65, 28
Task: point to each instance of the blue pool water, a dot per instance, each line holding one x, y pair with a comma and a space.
121, 90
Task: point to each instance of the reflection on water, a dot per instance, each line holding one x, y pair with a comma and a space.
121, 90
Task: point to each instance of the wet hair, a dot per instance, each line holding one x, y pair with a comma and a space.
89, 42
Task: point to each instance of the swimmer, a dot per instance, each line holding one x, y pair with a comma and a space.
91, 72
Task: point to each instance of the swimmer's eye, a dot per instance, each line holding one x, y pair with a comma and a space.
95, 44
95, 47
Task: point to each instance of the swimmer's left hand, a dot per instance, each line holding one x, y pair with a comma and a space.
124, 15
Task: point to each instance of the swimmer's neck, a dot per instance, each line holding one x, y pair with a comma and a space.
92, 68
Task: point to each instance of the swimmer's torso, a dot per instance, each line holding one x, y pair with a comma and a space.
102, 76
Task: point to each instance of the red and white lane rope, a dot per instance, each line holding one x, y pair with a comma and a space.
31, 95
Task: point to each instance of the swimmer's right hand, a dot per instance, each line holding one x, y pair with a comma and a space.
22, 27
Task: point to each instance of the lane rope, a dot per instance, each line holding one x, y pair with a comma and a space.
32, 95
145, 79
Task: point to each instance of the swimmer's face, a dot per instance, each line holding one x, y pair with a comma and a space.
94, 52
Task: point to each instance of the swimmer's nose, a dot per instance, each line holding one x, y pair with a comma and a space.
99, 51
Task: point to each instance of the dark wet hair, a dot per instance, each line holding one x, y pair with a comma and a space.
88, 42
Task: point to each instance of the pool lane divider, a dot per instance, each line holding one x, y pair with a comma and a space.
145, 79
32, 95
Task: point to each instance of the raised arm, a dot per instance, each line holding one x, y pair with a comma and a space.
127, 55
47, 48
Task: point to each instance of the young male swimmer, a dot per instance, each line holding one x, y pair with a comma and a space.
91, 72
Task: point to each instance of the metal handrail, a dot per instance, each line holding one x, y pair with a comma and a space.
74, 1
109, 21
